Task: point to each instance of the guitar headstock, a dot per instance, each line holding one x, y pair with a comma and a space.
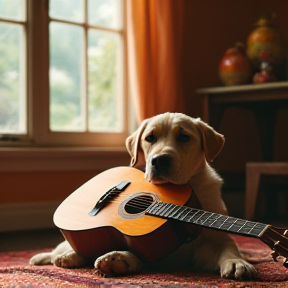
277, 240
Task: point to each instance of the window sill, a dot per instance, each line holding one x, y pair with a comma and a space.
61, 159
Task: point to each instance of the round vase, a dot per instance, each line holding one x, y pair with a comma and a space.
235, 67
265, 41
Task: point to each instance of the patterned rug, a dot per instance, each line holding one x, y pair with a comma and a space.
15, 272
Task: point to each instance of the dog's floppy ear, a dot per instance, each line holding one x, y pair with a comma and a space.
134, 148
212, 140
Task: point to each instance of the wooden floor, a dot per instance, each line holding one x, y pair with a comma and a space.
29, 240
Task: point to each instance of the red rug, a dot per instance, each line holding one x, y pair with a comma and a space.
15, 272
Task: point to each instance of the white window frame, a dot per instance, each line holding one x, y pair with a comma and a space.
39, 135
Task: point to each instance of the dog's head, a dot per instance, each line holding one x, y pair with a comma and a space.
172, 147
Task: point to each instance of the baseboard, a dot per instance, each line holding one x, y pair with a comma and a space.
27, 216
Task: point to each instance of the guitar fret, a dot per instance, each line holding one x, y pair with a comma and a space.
206, 216
223, 223
214, 221
163, 210
237, 225
189, 211
232, 225
219, 222
187, 217
229, 223
252, 227
245, 222
175, 212
258, 228
196, 214
172, 212
247, 227
182, 209
153, 209
169, 210
263, 227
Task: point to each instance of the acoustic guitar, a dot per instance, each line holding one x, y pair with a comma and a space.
119, 210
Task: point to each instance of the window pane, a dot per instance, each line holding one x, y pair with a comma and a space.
105, 13
66, 50
71, 10
104, 81
12, 90
12, 9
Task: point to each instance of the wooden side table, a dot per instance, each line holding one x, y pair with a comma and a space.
264, 100
259, 98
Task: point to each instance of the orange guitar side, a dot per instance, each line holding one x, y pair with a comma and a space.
148, 237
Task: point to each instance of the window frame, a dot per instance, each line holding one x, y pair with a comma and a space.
37, 71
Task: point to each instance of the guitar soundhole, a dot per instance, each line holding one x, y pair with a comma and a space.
138, 204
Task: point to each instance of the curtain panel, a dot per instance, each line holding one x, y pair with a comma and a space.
155, 45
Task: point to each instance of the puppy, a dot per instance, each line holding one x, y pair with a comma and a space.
172, 147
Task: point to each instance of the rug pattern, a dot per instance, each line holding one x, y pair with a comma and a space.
15, 272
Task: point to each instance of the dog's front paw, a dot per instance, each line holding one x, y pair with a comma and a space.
41, 259
237, 269
118, 263
69, 260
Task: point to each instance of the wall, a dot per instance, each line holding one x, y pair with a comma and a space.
211, 27
34, 182
27, 187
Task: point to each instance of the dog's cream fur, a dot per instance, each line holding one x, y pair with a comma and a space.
188, 144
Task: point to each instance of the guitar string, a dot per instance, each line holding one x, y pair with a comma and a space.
138, 204
142, 203
134, 202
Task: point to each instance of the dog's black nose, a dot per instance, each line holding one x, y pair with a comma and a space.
161, 160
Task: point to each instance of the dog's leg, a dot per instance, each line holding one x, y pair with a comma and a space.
48, 257
221, 253
232, 265
41, 259
118, 263
62, 256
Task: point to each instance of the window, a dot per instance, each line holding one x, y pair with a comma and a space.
63, 72
13, 96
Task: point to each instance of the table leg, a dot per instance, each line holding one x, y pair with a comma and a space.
266, 119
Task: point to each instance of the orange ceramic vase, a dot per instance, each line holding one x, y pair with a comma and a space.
235, 67
265, 43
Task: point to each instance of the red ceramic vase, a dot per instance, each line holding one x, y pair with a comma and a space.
235, 67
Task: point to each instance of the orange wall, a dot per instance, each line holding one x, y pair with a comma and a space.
25, 187
211, 27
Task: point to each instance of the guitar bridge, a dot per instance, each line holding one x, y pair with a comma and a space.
110, 194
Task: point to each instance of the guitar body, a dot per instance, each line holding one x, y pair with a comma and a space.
117, 226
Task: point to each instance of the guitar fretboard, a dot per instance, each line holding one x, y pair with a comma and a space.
206, 219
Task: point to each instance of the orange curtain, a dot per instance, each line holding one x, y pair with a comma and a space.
155, 42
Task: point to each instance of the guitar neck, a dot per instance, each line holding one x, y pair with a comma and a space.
207, 219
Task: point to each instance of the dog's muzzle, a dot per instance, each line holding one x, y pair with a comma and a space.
160, 165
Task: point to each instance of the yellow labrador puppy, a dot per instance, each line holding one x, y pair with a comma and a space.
173, 147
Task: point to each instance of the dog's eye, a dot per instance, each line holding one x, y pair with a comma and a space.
183, 138
150, 138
